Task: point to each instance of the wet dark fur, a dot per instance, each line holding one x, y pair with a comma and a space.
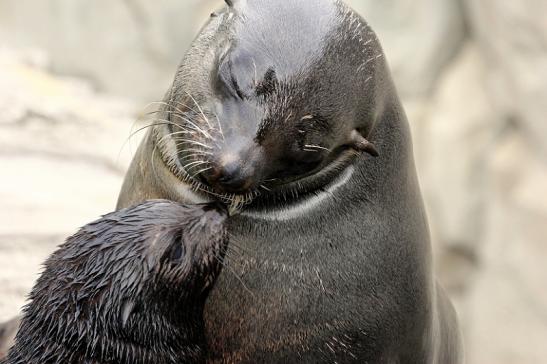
128, 288
349, 279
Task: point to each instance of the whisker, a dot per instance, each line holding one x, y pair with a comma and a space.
316, 147
199, 107
170, 105
201, 171
220, 128
196, 127
184, 105
133, 133
197, 151
193, 164
187, 132
221, 261
193, 142
182, 115
194, 156
192, 126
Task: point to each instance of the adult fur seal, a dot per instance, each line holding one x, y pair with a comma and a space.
128, 288
287, 111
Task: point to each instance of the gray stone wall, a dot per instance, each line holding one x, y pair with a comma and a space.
472, 75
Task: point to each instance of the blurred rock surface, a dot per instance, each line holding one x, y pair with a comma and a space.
420, 38
61, 161
472, 75
128, 47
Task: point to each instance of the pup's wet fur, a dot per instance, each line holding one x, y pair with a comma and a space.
128, 288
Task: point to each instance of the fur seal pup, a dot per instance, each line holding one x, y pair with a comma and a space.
128, 288
287, 111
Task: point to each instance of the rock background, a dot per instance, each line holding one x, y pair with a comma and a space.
473, 77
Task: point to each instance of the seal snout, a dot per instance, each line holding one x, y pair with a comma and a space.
229, 177
231, 173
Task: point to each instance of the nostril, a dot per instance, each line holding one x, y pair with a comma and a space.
229, 178
233, 181
236, 186
224, 179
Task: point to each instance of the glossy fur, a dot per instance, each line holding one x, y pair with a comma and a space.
335, 258
126, 289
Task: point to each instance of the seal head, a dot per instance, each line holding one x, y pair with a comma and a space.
254, 111
128, 288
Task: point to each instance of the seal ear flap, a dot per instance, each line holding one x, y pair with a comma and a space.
359, 142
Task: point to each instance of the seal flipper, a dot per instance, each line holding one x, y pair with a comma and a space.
359, 142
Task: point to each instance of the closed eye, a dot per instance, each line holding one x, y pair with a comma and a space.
227, 80
176, 251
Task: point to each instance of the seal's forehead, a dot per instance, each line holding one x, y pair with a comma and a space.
286, 34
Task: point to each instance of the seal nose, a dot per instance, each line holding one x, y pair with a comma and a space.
229, 176
232, 178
